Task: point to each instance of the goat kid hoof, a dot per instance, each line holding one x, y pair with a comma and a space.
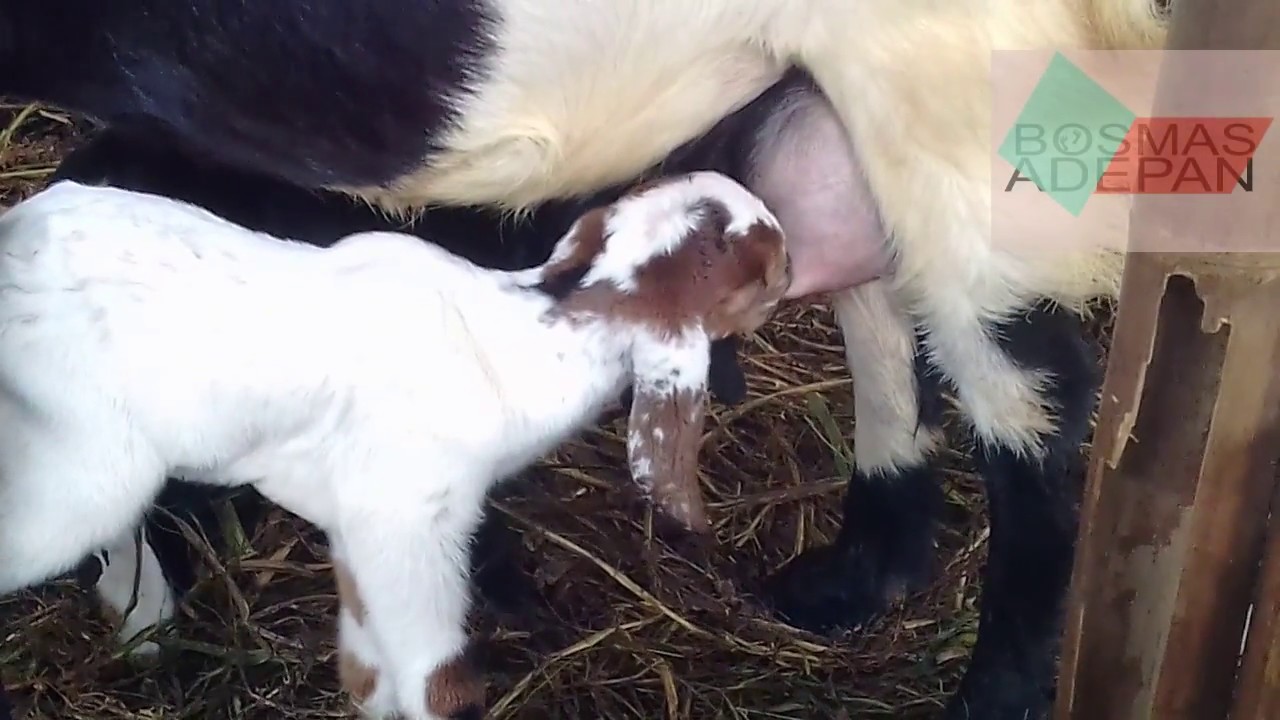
145, 653
830, 589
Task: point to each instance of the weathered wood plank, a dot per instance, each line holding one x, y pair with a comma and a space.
1177, 511
1258, 689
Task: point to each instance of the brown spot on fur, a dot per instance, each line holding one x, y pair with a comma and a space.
726, 285
357, 678
348, 593
453, 688
561, 277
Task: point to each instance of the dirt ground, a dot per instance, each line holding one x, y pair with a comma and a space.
633, 630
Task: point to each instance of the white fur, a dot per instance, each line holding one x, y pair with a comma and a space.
377, 389
880, 347
584, 94
131, 576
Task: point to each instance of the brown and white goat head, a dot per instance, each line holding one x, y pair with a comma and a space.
678, 262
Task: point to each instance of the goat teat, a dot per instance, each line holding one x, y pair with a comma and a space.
676, 263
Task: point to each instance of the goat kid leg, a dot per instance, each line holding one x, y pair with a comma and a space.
403, 585
133, 589
886, 542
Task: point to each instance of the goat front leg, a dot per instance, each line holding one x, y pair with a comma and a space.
932, 179
401, 564
66, 492
885, 547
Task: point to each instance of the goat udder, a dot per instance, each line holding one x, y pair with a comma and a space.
809, 175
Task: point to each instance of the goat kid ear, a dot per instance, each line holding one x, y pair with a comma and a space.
668, 412
726, 381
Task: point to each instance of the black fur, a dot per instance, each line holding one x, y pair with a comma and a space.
883, 553
151, 162
727, 382
885, 547
6, 709
1034, 508
316, 92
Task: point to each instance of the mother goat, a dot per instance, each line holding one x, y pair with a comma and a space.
410, 103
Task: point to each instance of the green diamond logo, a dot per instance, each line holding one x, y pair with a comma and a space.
1067, 134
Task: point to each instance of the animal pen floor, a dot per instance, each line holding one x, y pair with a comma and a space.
630, 629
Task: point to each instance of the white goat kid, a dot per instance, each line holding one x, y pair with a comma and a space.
438, 379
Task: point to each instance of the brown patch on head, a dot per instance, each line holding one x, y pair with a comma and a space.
455, 688
713, 283
583, 242
727, 284
755, 283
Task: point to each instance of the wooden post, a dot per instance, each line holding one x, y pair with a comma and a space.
1178, 554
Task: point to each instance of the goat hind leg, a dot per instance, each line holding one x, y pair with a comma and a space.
885, 546
1033, 491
